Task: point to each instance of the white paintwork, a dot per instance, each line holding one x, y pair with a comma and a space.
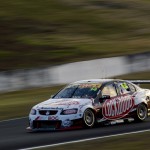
112, 109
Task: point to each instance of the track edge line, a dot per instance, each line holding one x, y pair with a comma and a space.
84, 140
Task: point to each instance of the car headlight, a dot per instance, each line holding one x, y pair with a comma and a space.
33, 112
69, 111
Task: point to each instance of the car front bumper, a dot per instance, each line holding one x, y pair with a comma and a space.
51, 123
42, 125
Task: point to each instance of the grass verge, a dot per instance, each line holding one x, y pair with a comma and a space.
124, 142
18, 103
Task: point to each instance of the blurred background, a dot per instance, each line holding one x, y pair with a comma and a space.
51, 32
45, 44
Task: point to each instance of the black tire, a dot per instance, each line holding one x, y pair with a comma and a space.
88, 118
141, 113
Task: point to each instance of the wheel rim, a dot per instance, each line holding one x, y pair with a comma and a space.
89, 118
142, 112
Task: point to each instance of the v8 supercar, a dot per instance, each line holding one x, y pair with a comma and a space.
89, 102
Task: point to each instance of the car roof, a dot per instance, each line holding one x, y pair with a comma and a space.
94, 81
101, 81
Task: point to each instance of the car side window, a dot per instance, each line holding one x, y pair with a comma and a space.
124, 88
109, 90
132, 88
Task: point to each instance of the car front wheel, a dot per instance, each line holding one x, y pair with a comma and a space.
88, 118
141, 113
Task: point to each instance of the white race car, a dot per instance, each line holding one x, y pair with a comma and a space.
89, 102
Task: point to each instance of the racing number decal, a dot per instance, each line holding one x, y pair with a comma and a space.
118, 107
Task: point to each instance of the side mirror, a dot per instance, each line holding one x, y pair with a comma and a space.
103, 98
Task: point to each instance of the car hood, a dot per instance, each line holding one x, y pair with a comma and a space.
66, 103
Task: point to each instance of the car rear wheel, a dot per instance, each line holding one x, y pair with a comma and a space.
89, 118
141, 113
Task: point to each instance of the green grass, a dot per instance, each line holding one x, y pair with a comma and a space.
49, 32
125, 142
19, 103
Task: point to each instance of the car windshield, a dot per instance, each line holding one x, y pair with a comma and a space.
88, 90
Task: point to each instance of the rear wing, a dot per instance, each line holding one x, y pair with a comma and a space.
140, 81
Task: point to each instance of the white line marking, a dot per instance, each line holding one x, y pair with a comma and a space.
84, 140
12, 119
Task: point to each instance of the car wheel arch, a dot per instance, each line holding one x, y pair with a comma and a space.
94, 113
138, 117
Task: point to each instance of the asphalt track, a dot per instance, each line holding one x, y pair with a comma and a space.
13, 134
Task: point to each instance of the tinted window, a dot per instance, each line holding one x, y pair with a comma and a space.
88, 90
109, 90
66, 92
132, 88
124, 88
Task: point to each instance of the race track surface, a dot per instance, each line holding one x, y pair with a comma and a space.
13, 134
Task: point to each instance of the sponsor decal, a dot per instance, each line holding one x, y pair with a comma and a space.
117, 107
37, 118
66, 103
67, 123
92, 86
50, 108
53, 118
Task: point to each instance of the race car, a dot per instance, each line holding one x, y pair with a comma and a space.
89, 102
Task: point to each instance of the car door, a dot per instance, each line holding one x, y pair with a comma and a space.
120, 102
109, 95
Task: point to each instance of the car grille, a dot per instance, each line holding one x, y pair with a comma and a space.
48, 112
46, 124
